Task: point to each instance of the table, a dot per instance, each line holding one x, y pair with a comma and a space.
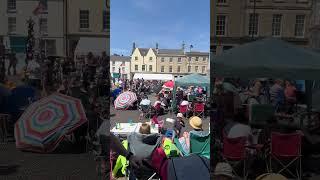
127, 128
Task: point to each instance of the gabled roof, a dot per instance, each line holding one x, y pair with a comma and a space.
143, 51
120, 58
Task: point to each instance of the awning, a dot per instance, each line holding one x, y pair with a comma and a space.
164, 77
94, 45
18, 44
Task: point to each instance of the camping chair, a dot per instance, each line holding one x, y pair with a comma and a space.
200, 145
286, 147
183, 110
4, 118
234, 152
157, 109
198, 109
191, 97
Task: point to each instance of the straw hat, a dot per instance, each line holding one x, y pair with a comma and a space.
195, 122
223, 169
145, 129
179, 115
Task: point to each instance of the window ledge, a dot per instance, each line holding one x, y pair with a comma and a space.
14, 11
84, 30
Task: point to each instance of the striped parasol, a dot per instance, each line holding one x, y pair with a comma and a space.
125, 100
46, 122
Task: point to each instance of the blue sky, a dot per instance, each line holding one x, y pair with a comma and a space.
166, 22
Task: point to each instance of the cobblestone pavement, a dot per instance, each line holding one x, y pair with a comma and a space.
35, 166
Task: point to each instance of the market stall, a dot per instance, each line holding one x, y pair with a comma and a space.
190, 80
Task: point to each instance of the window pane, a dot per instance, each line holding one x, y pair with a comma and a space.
106, 20
276, 25
11, 4
221, 25
253, 24
11, 24
84, 19
299, 26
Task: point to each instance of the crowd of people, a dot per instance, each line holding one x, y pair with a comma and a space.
233, 100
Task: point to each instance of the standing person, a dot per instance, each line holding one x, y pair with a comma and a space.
277, 96
104, 59
34, 73
12, 64
92, 63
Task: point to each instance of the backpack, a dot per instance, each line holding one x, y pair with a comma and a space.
170, 148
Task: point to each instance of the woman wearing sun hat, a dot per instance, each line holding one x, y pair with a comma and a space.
196, 123
223, 171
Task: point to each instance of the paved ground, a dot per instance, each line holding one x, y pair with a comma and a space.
47, 166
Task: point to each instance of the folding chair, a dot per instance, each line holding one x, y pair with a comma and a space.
286, 147
198, 109
200, 144
184, 110
157, 108
234, 152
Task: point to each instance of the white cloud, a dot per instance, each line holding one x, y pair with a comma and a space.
120, 51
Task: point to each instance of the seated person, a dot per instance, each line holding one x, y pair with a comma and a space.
196, 123
145, 129
239, 128
223, 171
178, 124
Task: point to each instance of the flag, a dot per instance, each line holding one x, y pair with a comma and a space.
40, 8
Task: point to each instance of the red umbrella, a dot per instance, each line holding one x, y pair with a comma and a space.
168, 84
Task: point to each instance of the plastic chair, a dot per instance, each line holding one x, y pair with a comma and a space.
198, 109
286, 147
234, 152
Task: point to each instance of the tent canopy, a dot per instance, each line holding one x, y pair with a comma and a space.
193, 80
165, 77
272, 58
94, 45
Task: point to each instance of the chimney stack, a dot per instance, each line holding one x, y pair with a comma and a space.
157, 48
133, 46
183, 46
